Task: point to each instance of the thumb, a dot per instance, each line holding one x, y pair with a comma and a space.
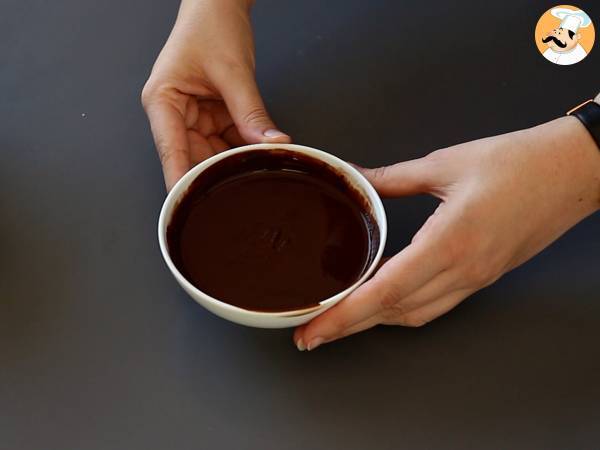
417, 176
240, 92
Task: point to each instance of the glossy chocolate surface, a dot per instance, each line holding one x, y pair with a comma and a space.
272, 230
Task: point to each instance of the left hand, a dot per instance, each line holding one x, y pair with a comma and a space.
504, 199
202, 97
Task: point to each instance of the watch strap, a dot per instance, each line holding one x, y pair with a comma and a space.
589, 114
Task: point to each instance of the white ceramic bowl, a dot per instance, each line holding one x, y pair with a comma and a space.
270, 319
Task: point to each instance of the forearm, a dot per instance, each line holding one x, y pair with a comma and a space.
589, 151
215, 17
571, 155
195, 6
592, 149
221, 28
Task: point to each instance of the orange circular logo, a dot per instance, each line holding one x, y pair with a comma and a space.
565, 35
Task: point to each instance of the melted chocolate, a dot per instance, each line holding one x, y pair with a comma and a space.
272, 230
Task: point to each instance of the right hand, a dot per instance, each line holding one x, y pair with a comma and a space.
503, 200
201, 97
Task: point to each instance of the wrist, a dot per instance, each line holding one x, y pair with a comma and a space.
246, 4
580, 157
194, 10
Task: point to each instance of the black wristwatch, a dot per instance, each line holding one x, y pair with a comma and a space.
589, 114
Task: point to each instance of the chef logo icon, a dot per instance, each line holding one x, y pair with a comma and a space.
564, 35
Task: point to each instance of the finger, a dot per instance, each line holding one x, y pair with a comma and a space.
191, 112
298, 337
361, 326
169, 132
381, 262
414, 318
220, 115
240, 92
429, 223
405, 178
200, 148
232, 136
205, 123
357, 328
447, 281
404, 274
217, 144
219, 123
440, 286
428, 294
430, 311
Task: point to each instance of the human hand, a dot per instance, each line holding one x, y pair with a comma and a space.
503, 200
202, 97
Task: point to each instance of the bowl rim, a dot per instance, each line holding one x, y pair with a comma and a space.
356, 177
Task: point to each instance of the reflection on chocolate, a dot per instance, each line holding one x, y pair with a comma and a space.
272, 230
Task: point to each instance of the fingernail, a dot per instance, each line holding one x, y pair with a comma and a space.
300, 345
273, 133
315, 343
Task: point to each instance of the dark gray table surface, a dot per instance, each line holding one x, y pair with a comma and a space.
100, 349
